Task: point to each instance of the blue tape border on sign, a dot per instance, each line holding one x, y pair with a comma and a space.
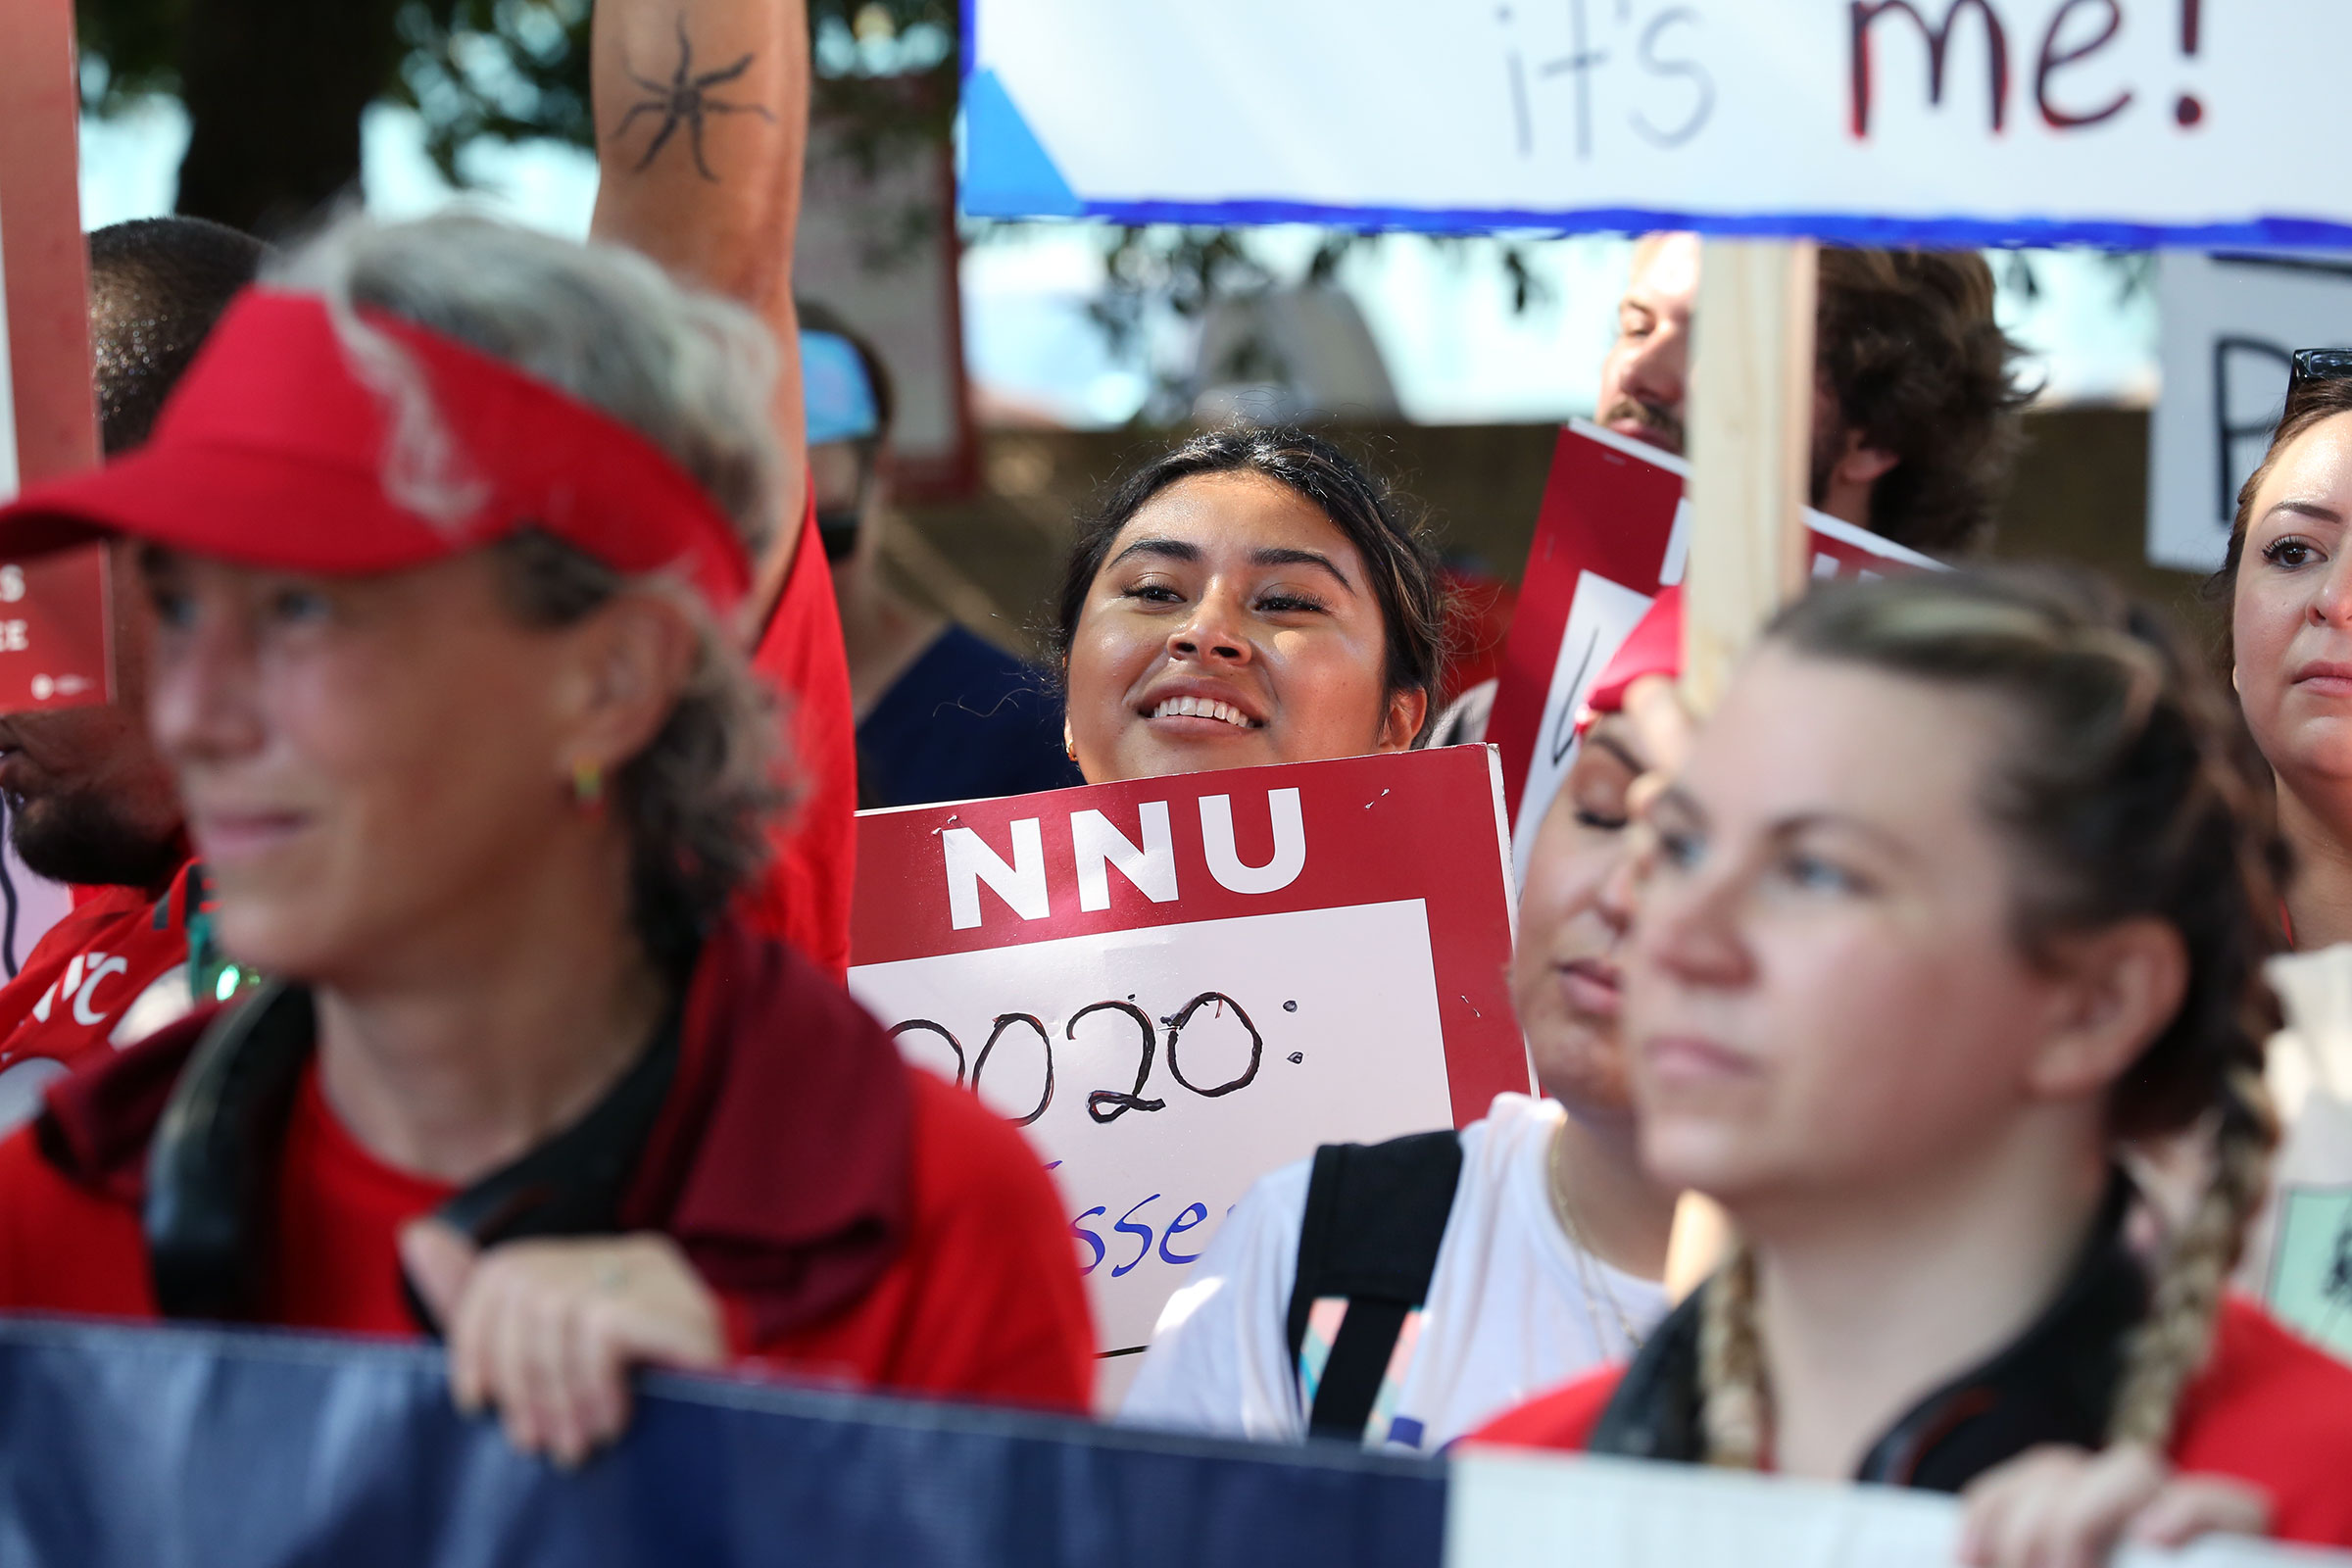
2259, 233
128, 1445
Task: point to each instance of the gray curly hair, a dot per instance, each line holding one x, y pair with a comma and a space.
692, 372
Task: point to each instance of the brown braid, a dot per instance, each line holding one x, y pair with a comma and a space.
2171, 1347
1737, 1410
2130, 790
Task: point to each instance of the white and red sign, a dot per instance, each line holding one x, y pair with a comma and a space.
1614, 530
1176, 985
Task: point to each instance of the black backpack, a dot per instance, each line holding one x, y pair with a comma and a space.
1375, 1217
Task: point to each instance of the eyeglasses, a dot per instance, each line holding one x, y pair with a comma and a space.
2321, 365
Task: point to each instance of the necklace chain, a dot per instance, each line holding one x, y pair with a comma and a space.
1592, 1275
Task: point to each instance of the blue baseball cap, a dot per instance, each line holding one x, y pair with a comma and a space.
839, 397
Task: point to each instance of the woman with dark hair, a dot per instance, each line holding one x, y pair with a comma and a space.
2288, 577
446, 535
1250, 597
1965, 885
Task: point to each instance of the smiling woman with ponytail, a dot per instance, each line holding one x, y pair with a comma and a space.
1967, 887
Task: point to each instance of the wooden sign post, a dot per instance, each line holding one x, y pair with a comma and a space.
1750, 429
1751, 433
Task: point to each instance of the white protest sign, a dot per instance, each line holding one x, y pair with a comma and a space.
2117, 122
2232, 324
1176, 985
1509, 1510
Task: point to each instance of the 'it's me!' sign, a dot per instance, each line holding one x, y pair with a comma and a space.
1875, 121
1176, 985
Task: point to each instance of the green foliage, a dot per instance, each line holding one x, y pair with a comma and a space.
128, 47
503, 68
518, 68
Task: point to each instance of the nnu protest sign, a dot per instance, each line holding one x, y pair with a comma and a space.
2116, 121
53, 620
1177, 984
1615, 529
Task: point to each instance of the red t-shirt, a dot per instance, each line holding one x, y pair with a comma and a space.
2268, 1409
82, 977
805, 896
983, 1302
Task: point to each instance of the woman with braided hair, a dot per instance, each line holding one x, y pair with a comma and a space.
1966, 884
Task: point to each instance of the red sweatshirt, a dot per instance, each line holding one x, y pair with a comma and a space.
84, 976
804, 898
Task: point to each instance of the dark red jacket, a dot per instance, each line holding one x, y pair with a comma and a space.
859, 1219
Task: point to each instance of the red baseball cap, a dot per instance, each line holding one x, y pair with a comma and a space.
1654, 647
273, 452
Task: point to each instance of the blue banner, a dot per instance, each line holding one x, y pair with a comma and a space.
127, 1447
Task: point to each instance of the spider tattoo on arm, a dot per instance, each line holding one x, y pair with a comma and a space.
686, 100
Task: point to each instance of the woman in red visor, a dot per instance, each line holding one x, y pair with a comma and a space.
445, 535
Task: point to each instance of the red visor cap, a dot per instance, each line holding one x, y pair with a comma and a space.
272, 452
1654, 647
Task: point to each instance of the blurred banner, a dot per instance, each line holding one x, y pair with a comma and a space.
1514, 1510
2230, 325
146, 1448
1613, 532
152, 1448
1955, 122
1176, 985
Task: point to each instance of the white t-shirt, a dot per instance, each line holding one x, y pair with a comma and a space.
1514, 1307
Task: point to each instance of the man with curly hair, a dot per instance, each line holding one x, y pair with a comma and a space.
1916, 403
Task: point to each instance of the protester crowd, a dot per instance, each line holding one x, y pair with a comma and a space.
485, 689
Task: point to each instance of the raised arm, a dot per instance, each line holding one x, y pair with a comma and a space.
702, 125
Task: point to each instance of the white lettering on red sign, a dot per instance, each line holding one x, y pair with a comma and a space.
1098, 846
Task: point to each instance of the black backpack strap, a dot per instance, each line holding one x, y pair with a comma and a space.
1375, 1217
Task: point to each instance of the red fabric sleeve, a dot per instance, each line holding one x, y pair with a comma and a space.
985, 1303
2275, 1411
1000, 1310
64, 1248
804, 899
1561, 1419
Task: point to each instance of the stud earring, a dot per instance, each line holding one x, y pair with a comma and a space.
588, 785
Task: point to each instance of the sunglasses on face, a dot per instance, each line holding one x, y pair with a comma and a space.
2321, 365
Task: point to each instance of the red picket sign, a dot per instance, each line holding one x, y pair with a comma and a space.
53, 613
1177, 984
54, 627
1614, 530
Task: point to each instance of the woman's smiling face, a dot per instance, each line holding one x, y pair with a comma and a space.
1232, 623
